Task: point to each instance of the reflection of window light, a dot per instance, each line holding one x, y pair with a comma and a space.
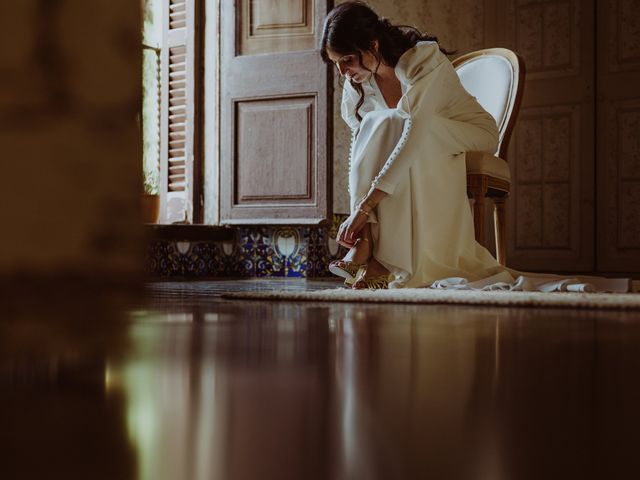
178, 318
138, 314
286, 325
142, 416
110, 380
171, 405
157, 317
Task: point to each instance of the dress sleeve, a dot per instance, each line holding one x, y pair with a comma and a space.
348, 107
419, 106
348, 111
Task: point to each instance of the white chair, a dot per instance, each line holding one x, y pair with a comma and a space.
495, 76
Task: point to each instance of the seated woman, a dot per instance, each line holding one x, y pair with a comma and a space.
411, 118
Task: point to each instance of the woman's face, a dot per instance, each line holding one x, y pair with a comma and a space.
350, 67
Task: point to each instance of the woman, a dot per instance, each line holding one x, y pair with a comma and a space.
410, 221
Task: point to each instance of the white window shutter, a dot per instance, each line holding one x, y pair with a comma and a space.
178, 102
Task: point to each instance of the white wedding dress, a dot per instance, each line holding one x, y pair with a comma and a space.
423, 232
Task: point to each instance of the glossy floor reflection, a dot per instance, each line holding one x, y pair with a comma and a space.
183, 385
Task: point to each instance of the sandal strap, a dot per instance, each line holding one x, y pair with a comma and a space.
350, 267
380, 282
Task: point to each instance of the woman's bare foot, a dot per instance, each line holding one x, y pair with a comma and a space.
375, 269
374, 276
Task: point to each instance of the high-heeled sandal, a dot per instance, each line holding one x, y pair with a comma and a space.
346, 269
380, 282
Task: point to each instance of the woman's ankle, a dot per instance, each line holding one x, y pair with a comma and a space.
375, 268
360, 252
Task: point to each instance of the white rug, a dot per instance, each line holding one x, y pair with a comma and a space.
607, 301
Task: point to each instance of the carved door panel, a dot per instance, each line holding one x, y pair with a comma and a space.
618, 136
274, 113
550, 211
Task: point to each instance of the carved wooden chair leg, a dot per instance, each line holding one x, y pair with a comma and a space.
500, 230
478, 187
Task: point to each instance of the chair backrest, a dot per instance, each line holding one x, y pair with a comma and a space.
495, 76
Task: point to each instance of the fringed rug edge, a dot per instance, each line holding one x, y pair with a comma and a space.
601, 301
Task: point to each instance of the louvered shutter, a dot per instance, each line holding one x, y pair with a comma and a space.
178, 121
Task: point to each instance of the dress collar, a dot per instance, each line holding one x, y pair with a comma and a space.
418, 61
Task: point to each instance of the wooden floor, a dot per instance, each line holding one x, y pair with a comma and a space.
181, 384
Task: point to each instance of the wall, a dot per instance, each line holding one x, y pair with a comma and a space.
71, 150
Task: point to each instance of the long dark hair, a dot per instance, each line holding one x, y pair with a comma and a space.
351, 28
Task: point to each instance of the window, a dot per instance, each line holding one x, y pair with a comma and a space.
151, 41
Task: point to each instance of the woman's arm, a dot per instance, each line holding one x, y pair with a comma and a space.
349, 230
348, 106
419, 106
372, 199
422, 99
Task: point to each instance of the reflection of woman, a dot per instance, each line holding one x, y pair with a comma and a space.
410, 221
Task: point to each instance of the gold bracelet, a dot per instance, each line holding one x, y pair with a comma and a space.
367, 201
362, 211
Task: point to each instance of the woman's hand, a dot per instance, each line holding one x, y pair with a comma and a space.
350, 228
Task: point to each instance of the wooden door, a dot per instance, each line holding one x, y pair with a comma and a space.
550, 211
275, 162
618, 136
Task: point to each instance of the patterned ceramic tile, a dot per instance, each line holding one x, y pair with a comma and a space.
256, 252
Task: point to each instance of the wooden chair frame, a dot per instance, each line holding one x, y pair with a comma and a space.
480, 186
